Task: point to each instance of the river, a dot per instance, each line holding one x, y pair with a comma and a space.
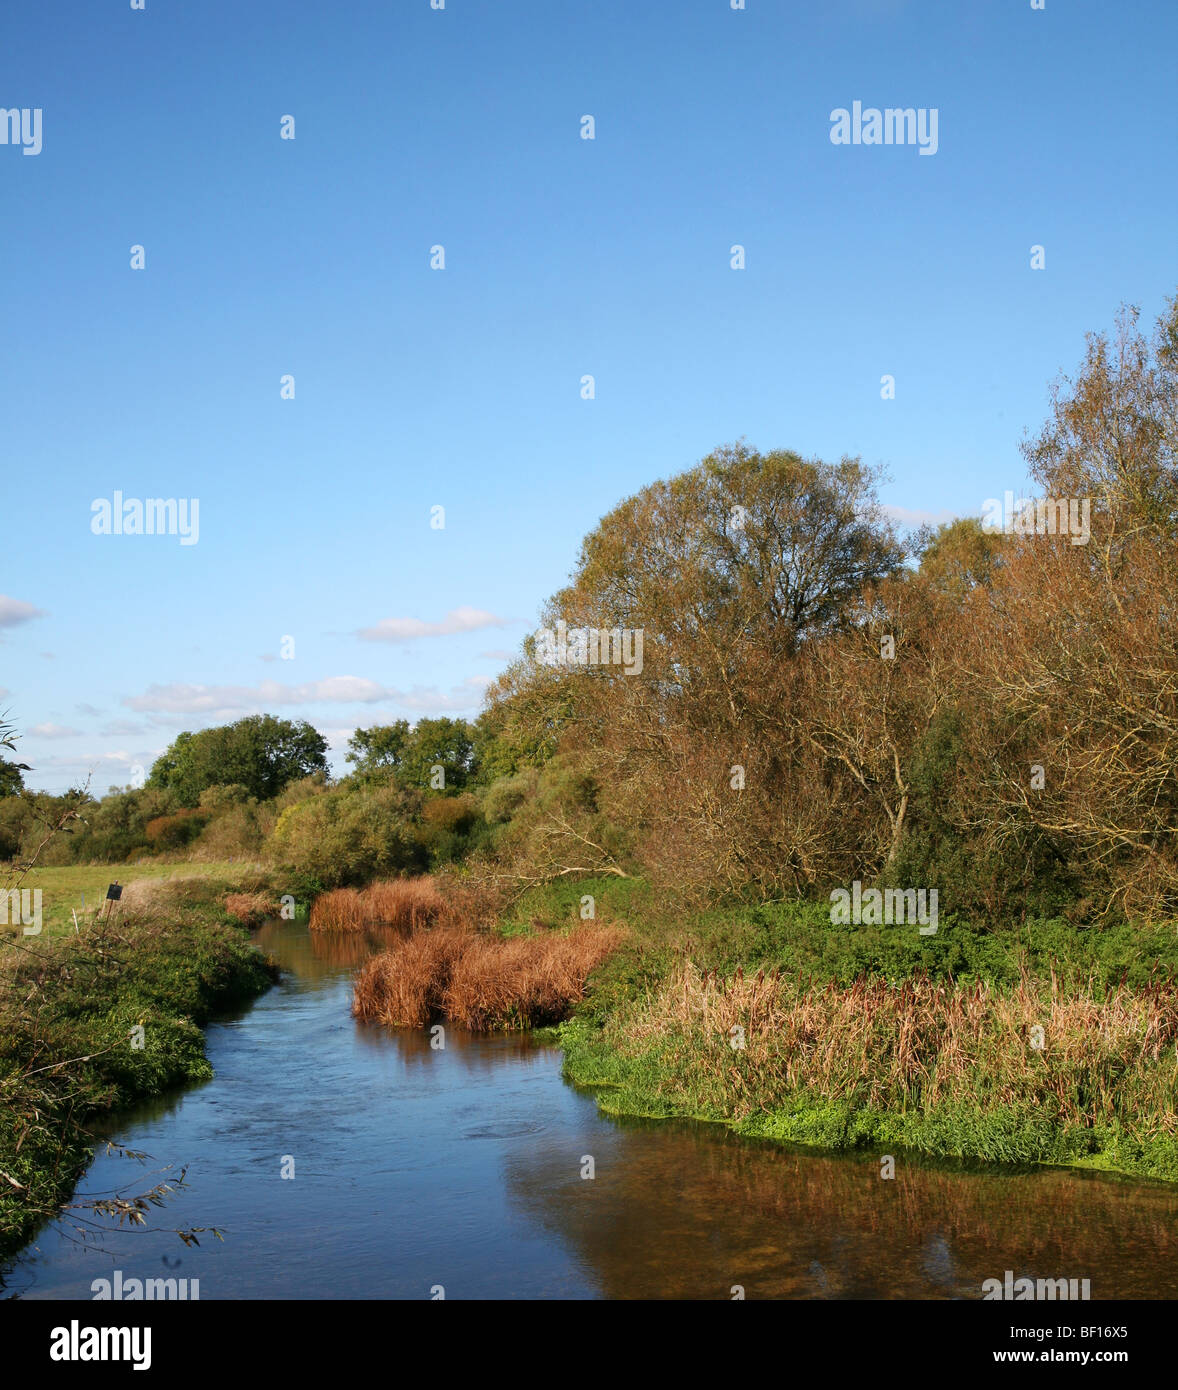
418, 1169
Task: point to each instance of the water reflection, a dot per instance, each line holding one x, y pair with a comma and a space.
321, 955
702, 1210
461, 1166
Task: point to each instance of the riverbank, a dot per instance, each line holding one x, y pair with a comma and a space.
417, 1165
93, 1021
1041, 1043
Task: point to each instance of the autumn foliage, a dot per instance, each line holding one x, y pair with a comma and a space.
989, 711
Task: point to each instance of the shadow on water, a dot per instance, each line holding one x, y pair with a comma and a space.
416, 1166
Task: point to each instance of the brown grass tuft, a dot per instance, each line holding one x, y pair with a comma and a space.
405, 903
251, 909
404, 986
481, 981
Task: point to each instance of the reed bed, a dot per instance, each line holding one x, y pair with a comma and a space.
1107, 1055
406, 903
251, 909
480, 981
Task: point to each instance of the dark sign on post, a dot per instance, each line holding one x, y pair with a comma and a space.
114, 892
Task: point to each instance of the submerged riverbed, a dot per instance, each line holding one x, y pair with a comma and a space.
417, 1169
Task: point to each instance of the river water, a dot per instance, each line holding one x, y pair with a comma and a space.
418, 1169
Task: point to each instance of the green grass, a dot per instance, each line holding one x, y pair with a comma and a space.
559, 904
82, 887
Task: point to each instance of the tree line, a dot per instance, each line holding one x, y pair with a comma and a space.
991, 712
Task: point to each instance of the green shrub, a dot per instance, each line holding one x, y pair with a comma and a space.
351, 835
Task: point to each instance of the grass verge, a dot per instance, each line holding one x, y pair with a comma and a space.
99, 1019
770, 1020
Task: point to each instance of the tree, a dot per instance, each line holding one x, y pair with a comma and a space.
1073, 650
11, 781
410, 756
732, 572
262, 753
442, 743
379, 749
958, 555
1113, 433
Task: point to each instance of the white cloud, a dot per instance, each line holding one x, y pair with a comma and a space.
430, 700
217, 701
207, 699
914, 516
337, 739
463, 619
53, 731
78, 760
15, 610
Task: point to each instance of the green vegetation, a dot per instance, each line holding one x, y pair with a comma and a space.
96, 1020
818, 701
875, 1036
260, 754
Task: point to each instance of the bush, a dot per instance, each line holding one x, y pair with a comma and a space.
176, 831
224, 796
349, 836
235, 833
251, 909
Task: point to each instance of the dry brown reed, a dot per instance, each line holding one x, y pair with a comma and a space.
406, 903
481, 981
251, 909
1100, 1054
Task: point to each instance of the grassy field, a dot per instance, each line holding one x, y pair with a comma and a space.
82, 887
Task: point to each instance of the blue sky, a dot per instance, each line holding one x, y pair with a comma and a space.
461, 387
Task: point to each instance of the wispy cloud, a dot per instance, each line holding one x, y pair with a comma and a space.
463, 619
122, 728
914, 516
430, 700
15, 610
179, 697
218, 700
53, 731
